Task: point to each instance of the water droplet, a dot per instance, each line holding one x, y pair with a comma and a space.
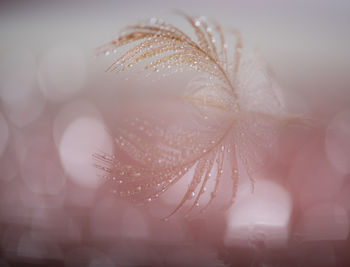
197, 23
107, 53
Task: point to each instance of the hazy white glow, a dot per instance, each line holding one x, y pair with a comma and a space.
80, 140
261, 216
69, 113
4, 134
62, 72
338, 142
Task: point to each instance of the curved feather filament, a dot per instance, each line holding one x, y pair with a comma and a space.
160, 157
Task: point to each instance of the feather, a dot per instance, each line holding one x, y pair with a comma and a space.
150, 156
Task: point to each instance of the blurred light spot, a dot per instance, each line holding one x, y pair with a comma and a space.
262, 216
82, 138
54, 225
17, 70
337, 142
22, 112
326, 221
4, 134
69, 113
22, 100
62, 72
40, 168
134, 225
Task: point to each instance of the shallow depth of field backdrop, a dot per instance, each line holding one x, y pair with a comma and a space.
57, 104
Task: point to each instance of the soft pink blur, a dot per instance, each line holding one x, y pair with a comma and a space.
57, 108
